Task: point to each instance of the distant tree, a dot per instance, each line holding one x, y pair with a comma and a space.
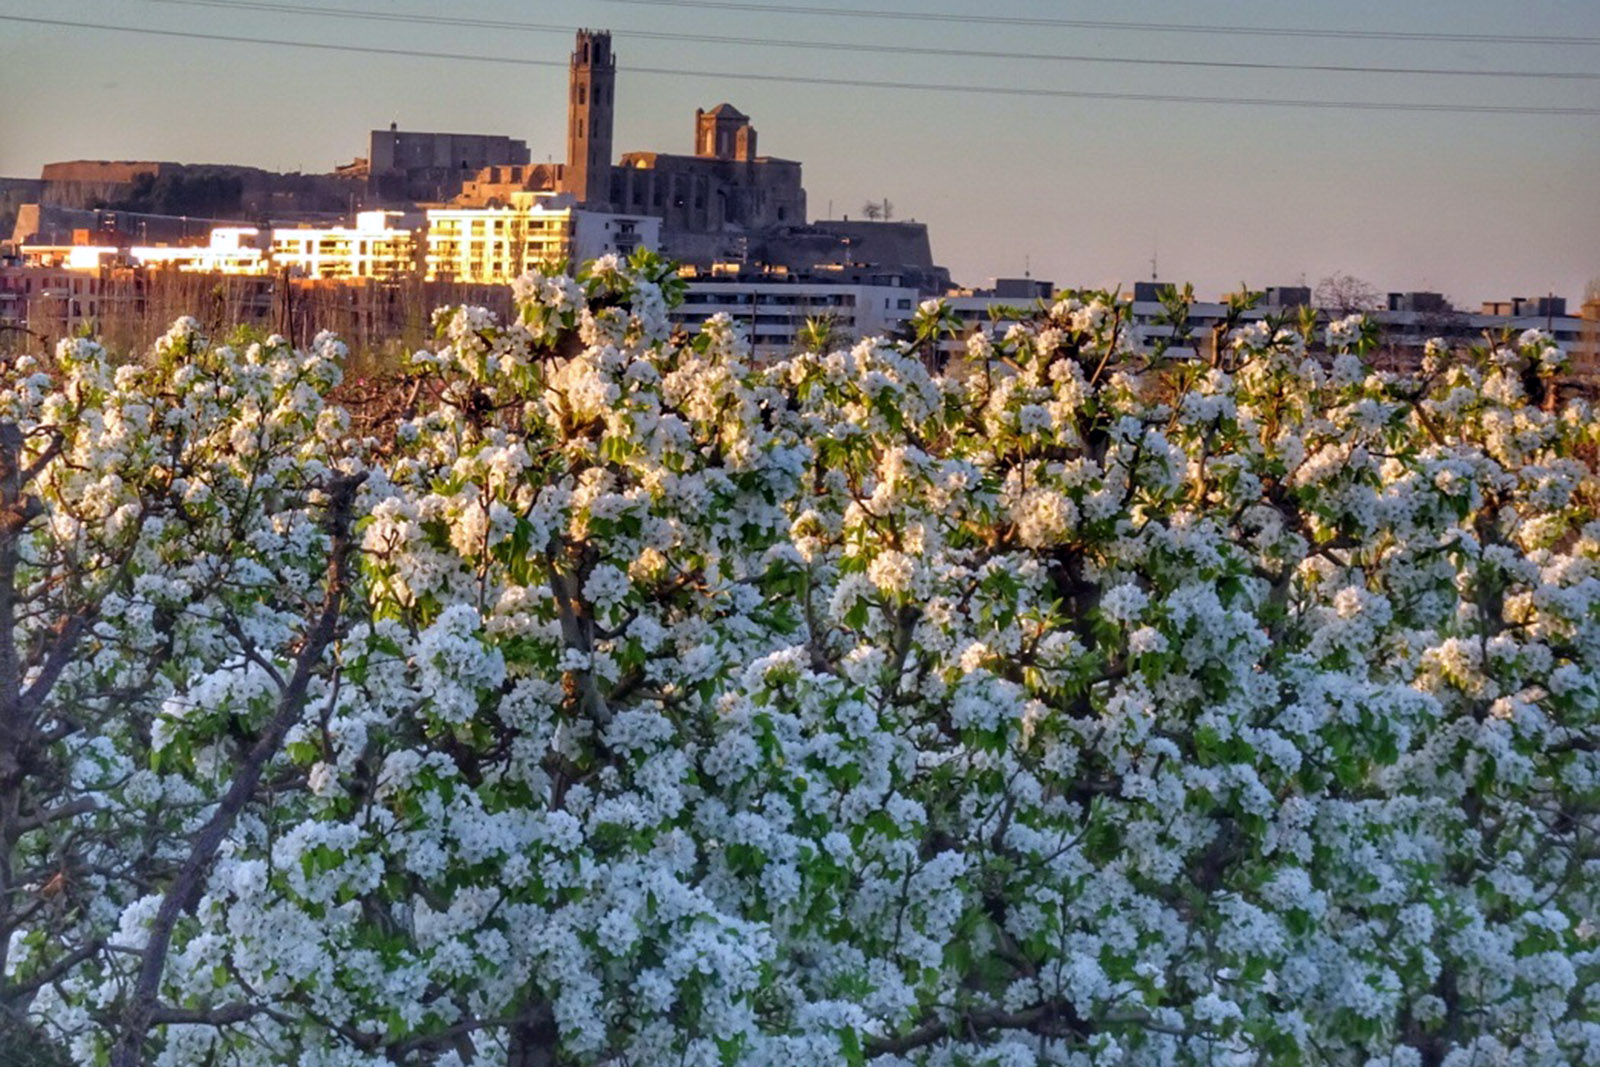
1346, 294
878, 210
1444, 319
206, 194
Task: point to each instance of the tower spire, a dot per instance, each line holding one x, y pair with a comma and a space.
591, 85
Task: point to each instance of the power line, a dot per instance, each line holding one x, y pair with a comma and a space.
860, 83
1104, 24
366, 15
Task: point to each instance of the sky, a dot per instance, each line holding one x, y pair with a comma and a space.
1080, 190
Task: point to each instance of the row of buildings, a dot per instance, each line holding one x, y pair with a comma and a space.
133, 304
352, 282
1406, 322
429, 216
474, 245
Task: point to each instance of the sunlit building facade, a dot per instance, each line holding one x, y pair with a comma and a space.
775, 311
536, 230
378, 246
231, 250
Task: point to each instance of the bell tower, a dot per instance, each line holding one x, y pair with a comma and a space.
591, 85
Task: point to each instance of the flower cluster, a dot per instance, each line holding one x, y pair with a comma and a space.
1065, 706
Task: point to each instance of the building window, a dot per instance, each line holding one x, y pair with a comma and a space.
583, 93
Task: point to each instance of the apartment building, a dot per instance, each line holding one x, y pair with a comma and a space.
497, 244
773, 308
230, 250
380, 245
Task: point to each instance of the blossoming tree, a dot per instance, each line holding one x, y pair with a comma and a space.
633, 704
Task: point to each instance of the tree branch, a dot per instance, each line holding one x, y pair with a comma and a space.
141, 1011
935, 1030
76, 806
1054, 1018
20, 991
226, 1015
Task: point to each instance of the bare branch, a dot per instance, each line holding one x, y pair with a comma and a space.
76, 806
976, 1022
225, 1015
23, 989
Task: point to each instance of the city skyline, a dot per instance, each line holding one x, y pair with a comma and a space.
1080, 191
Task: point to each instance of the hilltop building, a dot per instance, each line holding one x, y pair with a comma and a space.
495, 186
405, 165
724, 183
591, 99
723, 202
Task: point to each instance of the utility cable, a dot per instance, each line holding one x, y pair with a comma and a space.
367, 15
860, 83
1105, 24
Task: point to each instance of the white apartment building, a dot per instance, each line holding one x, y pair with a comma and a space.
496, 244
773, 309
232, 250
375, 247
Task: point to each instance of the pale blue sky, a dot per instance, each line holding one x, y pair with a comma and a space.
1478, 206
